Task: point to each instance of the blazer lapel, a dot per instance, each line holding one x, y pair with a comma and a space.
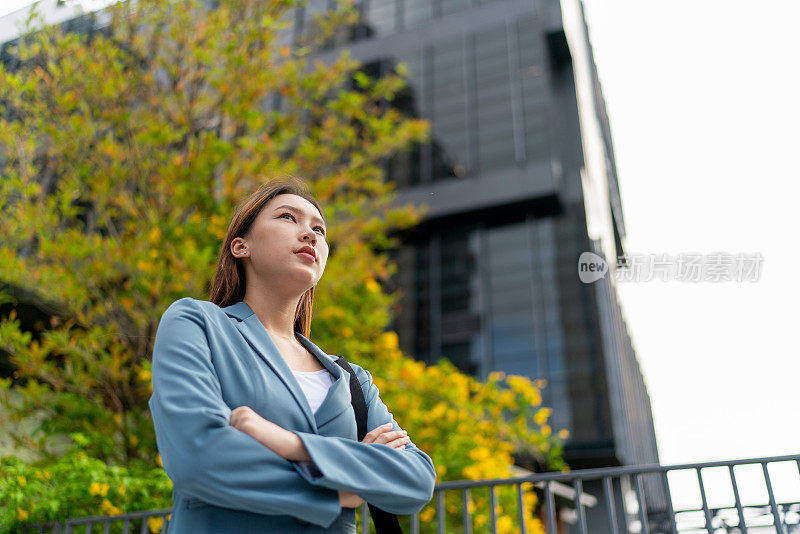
338, 397
258, 338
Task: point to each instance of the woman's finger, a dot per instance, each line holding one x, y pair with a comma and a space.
374, 433
390, 436
399, 443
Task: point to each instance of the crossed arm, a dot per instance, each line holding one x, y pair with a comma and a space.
209, 459
288, 445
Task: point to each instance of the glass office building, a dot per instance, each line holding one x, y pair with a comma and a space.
520, 179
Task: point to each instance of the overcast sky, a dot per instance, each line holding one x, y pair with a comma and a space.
703, 103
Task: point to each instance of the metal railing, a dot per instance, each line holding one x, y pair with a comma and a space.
607, 500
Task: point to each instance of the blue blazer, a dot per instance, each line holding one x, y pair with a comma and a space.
209, 360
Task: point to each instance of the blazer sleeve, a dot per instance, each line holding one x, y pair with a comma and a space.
205, 457
399, 481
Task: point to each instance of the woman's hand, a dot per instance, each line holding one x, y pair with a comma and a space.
396, 439
349, 500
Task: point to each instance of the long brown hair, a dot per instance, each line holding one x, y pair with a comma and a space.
229, 283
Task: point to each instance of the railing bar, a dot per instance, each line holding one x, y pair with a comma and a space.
579, 506
709, 525
88, 529
126, 526
551, 509
144, 529
364, 518
521, 508
772, 504
467, 515
637, 479
493, 504
439, 512
670, 509
611, 508
738, 501
415, 523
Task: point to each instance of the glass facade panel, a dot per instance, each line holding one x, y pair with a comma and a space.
417, 12
381, 17
448, 110
405, 168
534, 89
492, 82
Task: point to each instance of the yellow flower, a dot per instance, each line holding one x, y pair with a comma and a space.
496, 375
389, 340
22, 515
504, 524
155, 524
158, 460
471, 472
541, 415
438, 410
22, 480
98, 489
121, 490
372, 285
546, 430
507, 398
109, 508
154, 235
479, 453
427, 514
563, 433
517, 383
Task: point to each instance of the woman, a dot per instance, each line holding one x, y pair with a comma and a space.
253, 421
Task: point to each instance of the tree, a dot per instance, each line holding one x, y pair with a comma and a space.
123, 151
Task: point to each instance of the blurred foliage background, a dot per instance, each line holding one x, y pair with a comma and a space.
122, 155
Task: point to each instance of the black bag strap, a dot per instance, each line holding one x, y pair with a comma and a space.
385, 522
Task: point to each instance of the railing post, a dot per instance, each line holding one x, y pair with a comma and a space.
551, 508
670, 509
521, 508
467, 516
579, 505
611, 509
738, 501
776, 513
440, 512
709, 525
637, 480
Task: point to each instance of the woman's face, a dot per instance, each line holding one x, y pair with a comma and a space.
284, 225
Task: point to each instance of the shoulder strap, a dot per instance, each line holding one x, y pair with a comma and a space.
385, 523
357, 396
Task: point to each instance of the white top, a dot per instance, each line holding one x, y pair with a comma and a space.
315, 385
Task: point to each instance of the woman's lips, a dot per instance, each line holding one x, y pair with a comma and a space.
306, 255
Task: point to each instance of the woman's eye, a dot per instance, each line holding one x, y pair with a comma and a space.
322, 230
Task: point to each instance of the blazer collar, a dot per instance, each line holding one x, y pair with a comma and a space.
257, 336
